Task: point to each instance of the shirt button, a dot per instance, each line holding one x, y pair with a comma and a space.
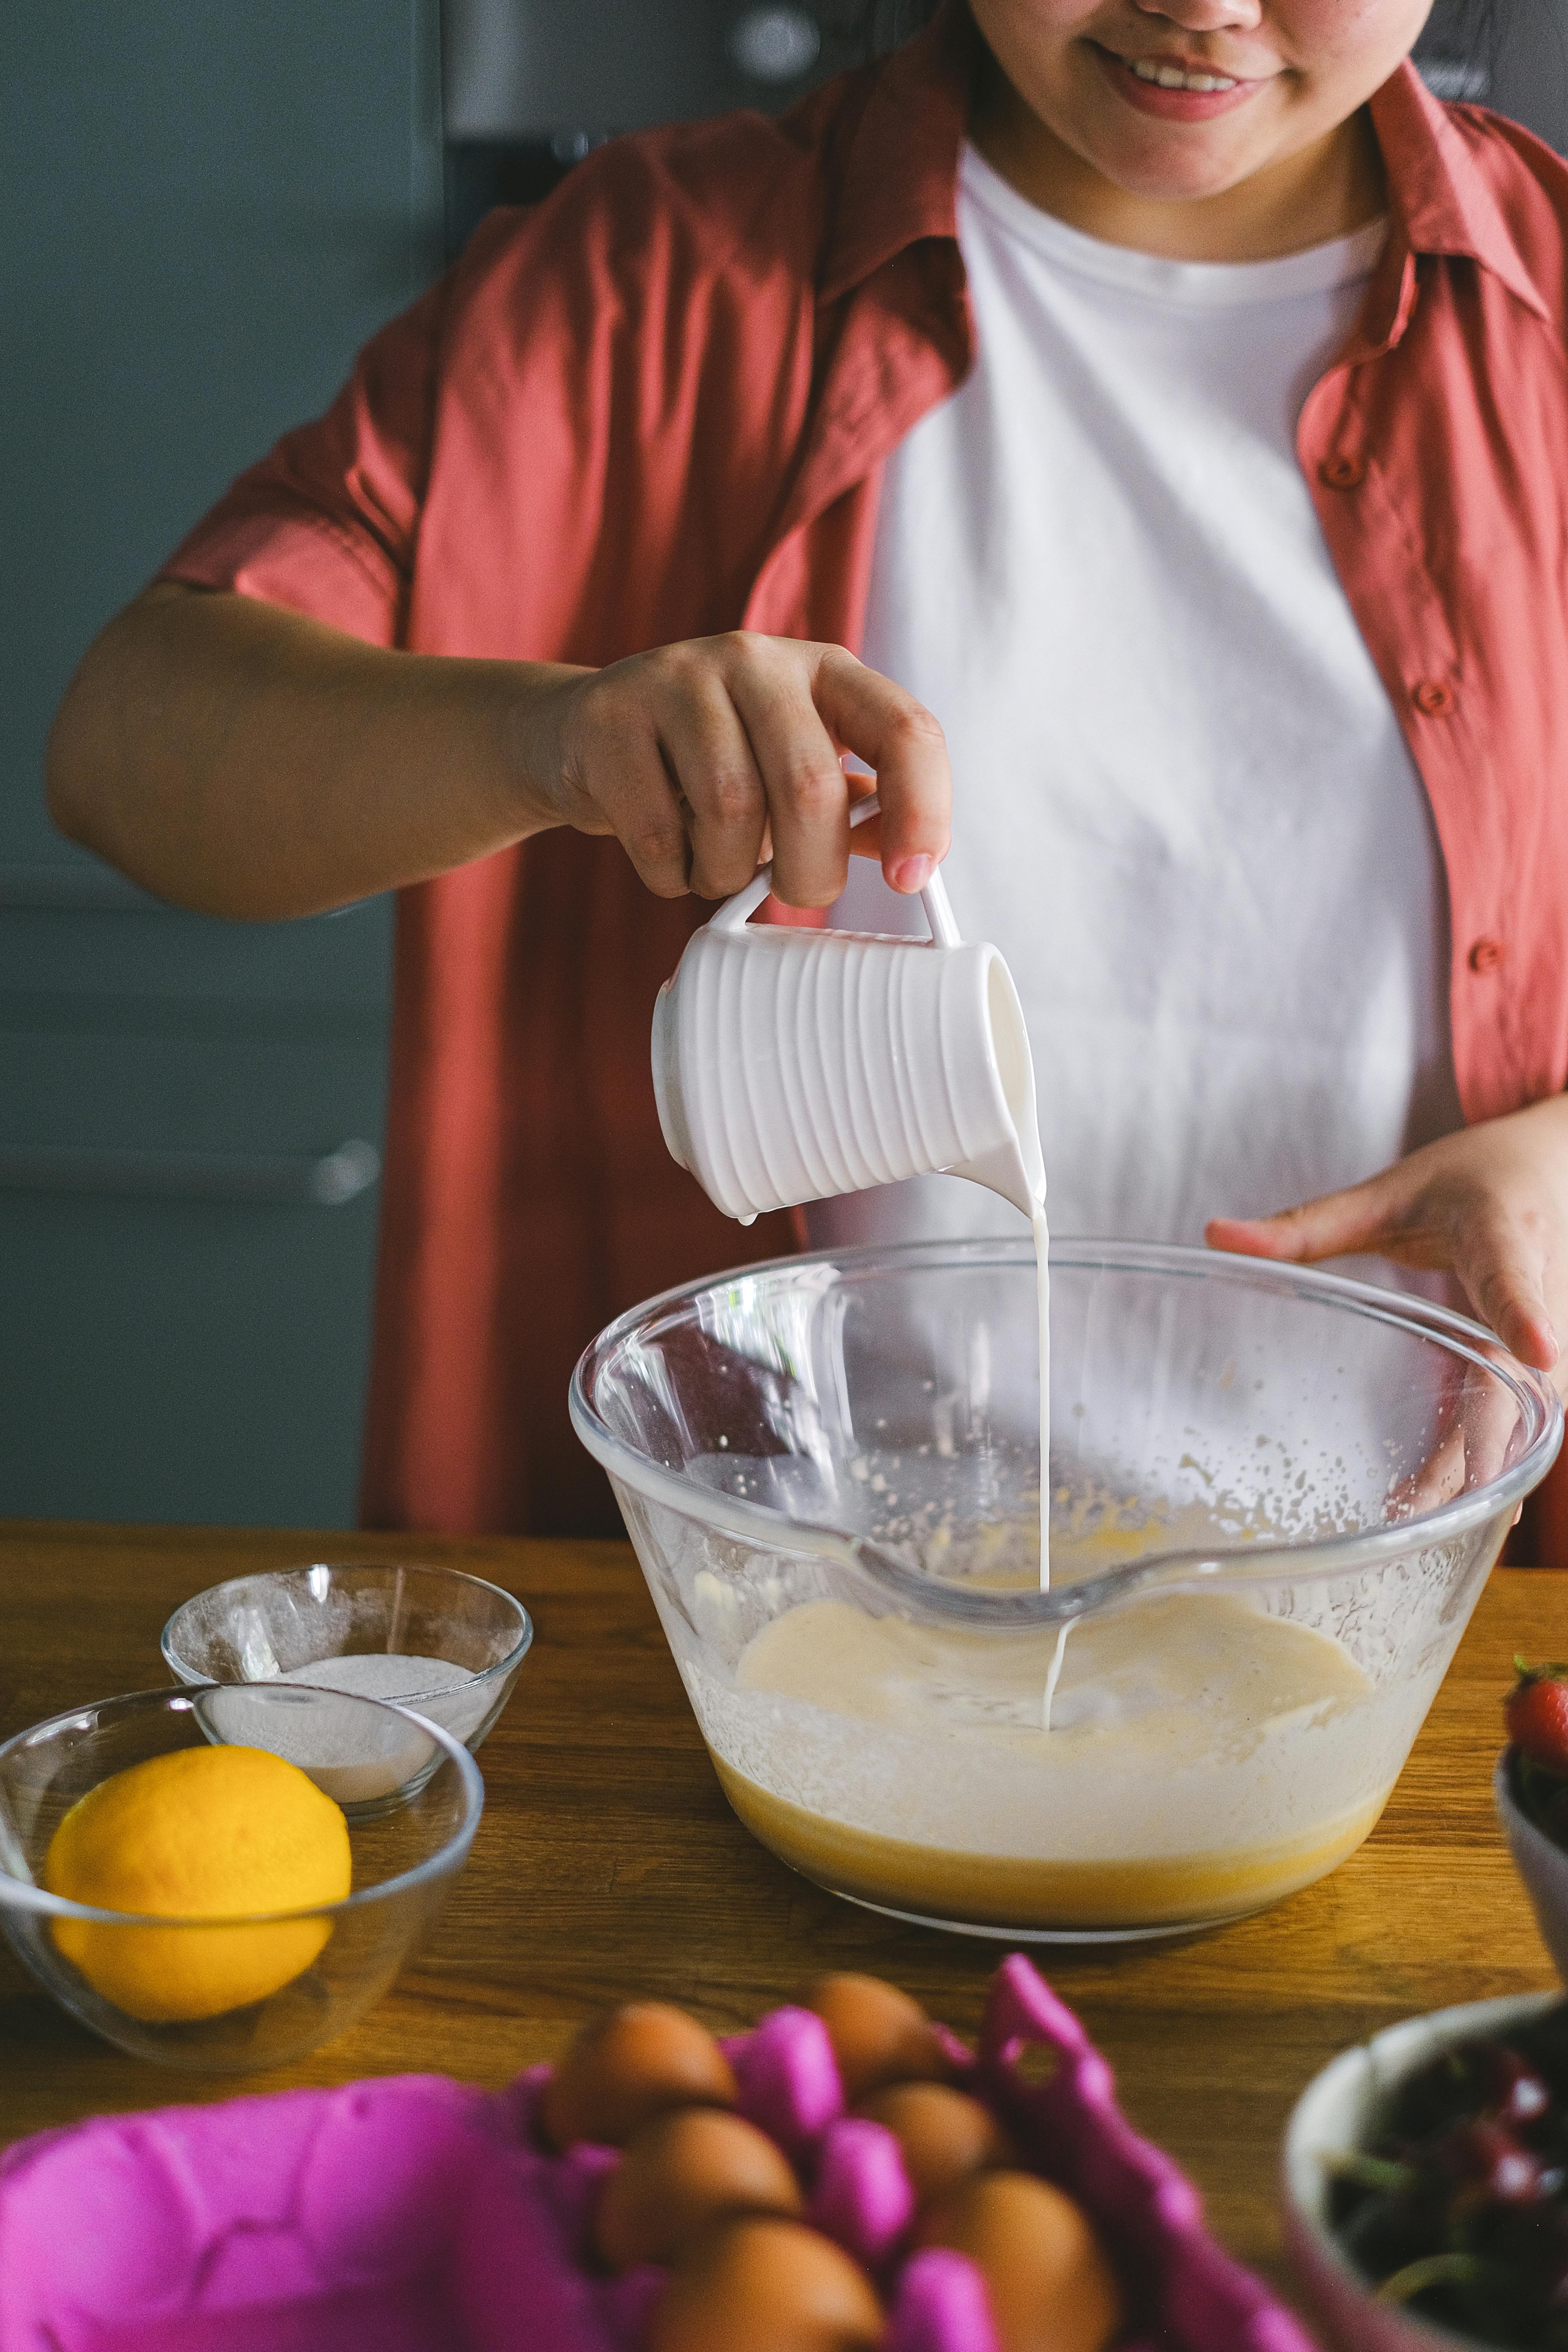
1486, 955
1342, 472
1434, 696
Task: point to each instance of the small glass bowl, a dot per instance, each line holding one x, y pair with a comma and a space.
407, 1848
256, 1628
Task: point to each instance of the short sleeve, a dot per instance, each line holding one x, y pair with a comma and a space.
328, 523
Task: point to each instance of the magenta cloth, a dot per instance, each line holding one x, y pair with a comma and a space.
418, 2215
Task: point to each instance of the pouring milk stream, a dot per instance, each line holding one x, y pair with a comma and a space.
1204, 1755
794, 1066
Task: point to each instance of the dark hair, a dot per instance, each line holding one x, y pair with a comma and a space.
872, 27
1459, 47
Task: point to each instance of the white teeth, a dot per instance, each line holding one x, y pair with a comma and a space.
1170, 76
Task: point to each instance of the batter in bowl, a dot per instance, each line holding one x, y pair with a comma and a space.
1204, 1759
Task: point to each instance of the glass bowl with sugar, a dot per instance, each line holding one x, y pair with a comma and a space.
443, 1643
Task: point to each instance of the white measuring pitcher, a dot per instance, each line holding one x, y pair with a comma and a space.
794, 1064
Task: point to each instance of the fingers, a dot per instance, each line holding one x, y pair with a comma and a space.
1482, 1204
1336, 1224
799, 714
637, 801
1500, 1260
1436, 1479
866, 839
899, 738
736, 742
708, 755
1477, 1436
1490, 1420
805, 790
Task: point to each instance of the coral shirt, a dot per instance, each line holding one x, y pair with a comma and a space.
657, 406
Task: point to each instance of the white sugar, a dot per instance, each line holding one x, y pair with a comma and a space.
380, 1673
351, 1753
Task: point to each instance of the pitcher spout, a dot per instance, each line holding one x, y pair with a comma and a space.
1004, 1171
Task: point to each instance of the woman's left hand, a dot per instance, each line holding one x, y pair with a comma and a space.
1489, 1205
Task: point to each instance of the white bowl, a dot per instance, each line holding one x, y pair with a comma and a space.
1541, 1864
1342, 2108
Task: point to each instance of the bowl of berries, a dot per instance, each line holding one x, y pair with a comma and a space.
1531, 1786
1425, 2182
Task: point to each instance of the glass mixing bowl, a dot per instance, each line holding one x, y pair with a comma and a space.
1273, 1498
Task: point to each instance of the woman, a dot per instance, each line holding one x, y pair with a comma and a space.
1176, 388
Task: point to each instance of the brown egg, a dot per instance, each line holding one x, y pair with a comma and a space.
629, 2065
681, 2174
943, 2135
767, 2286
879, 2034
1048, 2284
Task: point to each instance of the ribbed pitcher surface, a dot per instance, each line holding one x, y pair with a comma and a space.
792, 1066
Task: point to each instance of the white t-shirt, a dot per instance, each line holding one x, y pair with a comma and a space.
1184, 810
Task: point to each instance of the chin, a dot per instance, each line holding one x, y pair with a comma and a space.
1171, 179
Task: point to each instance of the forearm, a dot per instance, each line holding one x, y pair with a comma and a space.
241, 759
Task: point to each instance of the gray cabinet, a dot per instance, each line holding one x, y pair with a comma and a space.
207, 209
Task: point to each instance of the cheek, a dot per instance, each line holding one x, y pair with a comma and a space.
1349, 36
1024, 34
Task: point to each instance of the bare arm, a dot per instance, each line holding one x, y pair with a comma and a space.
237, 757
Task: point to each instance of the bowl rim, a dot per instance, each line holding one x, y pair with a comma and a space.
188, 1675
1516, 1822
1251, 1565
26, 1895
1406, 2043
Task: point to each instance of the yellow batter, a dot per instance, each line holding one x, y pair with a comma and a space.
1203, 1759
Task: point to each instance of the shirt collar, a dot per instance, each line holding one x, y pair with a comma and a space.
1437, 196
901, 173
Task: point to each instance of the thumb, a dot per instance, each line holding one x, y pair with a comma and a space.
1362, 1217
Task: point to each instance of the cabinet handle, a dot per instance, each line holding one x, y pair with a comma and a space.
326, 1182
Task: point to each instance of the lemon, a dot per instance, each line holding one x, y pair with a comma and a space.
204, 1833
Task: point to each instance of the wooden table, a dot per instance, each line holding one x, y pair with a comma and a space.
608, 1862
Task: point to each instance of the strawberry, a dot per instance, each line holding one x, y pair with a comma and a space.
1536, 1711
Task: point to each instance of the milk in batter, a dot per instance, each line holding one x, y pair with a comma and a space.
1204, 1758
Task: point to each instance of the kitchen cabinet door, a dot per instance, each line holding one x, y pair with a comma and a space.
208, 209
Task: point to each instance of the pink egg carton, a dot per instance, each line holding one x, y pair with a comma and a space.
415, 2214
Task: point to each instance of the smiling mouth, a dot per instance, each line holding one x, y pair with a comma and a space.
1166, 74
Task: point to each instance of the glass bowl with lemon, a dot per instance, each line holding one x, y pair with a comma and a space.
187, 1871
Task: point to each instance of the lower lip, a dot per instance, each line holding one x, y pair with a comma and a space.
1170, 105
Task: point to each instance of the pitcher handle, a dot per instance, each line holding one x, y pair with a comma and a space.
734, 915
